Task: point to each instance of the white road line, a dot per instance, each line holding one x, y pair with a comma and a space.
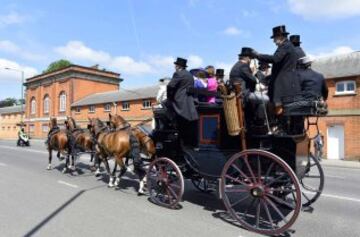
23, 149
67, 184
334, 176
337, 197
3, 164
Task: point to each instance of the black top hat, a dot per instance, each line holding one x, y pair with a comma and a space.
246, 52
295, 39
181, 62
279, 30
263, 65
219, 72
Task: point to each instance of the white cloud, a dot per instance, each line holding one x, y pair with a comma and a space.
11, 75
335, 51
12, 48
79, 51
11, 19
154, 65
195, 61
320, 9
232, 30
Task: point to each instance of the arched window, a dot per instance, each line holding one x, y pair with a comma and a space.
62, 103
33, 106
46, 104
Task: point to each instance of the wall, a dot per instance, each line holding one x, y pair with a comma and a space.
8, 125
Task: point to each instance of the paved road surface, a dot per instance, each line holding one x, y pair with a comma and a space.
37, 202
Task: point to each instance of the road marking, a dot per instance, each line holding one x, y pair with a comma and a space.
3, 164
23, 149
334, 176
336, 197
67, 184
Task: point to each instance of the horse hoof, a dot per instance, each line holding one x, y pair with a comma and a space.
111, 185
117, 182
97, 173
140, 192
64, 170
48, 167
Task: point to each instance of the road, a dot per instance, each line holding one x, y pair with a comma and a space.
38, 202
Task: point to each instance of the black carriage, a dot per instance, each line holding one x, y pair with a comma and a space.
261, 185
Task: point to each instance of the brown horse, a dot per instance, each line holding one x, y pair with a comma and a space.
57, 140
147, 145
110, 144
80, 139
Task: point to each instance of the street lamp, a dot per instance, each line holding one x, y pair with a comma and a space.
22, 90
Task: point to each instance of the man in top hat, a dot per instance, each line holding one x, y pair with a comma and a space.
263, 73
313, 85
295, 40
183, 103
283, 82
219, 74
241, 74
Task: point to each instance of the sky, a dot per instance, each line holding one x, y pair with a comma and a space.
140, 39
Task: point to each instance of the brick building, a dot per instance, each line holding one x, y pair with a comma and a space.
134, 105
341, 128
10, 118
51, 94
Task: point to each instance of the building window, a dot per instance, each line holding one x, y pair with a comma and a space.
125, 105
92, 109
45, 128
62, 103
77, 110
146, 104
33, 106
46, 104
345, 87
107, 107
32, 128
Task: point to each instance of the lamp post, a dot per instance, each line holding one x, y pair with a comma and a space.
22, 90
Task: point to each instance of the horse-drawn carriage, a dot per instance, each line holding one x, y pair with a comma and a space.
264, 179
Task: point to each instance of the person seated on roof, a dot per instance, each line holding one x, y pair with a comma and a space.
313, 85
200, 81
241, 74
212, 83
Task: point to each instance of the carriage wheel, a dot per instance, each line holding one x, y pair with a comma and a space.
261, 192
165, 182
312, 181
201, 184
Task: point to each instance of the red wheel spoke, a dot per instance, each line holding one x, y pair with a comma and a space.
236, 190
258, 210
249, 168
239, 201
277, 210
250, 206
259, 169
236, 180
269, 170
172, 192
268, 213
276, 179
240, 171
280, 201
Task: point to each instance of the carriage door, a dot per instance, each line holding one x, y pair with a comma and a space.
335, 145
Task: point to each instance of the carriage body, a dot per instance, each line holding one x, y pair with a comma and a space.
265, 176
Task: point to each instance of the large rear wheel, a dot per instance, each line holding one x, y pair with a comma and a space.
165, 182
312, 181
261, 192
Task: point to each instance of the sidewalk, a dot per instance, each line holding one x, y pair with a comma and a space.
340, 163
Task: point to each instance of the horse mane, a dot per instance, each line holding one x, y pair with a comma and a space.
99, 123
73, 121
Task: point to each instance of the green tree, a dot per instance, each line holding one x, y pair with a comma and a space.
59, 64
8, 102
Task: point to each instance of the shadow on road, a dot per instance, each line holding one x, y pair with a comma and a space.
57, 211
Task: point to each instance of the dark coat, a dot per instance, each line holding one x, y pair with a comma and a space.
241, 73
181, 101
283, 81
299, 52
312, 83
